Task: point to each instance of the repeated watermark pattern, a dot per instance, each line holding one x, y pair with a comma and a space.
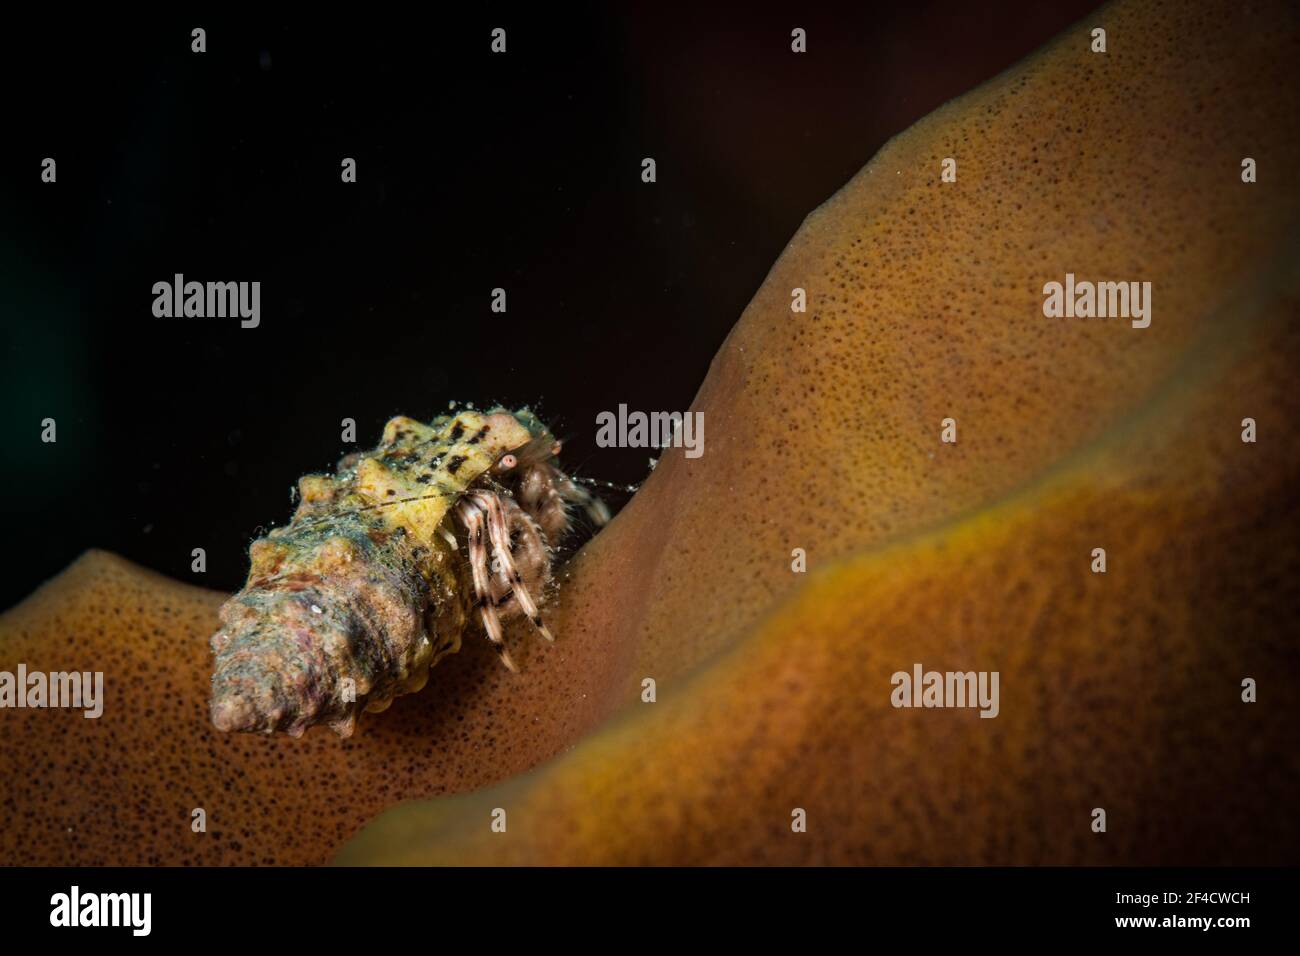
76, 690
1101, 300
946, 689
179, 299
624, 429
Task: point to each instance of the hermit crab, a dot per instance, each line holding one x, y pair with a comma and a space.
442, 528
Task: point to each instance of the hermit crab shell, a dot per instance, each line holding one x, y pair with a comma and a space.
349, 605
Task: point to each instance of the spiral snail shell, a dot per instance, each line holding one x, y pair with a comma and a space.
386, 564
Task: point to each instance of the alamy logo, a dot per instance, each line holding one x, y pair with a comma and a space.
653, 430
949, 689
37, 689
103, 909
1102, 300
208, 300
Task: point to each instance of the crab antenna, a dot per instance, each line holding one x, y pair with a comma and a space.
598, 483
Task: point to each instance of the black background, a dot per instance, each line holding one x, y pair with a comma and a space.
474, 171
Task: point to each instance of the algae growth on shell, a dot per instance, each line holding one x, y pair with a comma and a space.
385, 564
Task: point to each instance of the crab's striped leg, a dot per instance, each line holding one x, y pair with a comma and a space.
472, 517
537, 493
569, 490
510, 576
